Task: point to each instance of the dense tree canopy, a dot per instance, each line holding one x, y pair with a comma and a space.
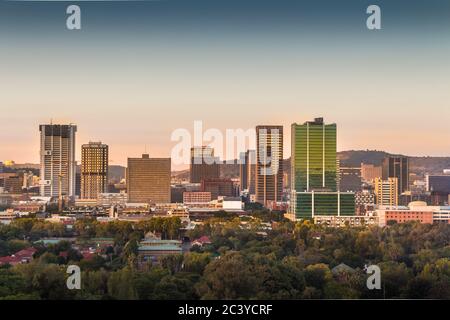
245, 260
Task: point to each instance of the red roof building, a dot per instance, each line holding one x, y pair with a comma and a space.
22, 256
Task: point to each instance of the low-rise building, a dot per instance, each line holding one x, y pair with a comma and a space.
20, 257
344, 221
415, 211
153, 247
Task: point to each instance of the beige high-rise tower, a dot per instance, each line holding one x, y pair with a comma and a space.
57, 172
386, 192
94, 169
269, 163
148, 179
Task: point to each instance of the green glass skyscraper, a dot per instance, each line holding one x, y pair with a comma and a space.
314, 172
313, 160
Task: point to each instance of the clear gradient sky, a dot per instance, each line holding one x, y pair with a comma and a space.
138, 70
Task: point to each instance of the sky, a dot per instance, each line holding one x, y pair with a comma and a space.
138, 70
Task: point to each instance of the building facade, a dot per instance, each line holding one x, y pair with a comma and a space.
349, 179
247, 171
190, 198
370, 172
313, 156
148, 180
57, 158
269, 163
386, 192
314, 172
94, 170
203, 164
397, 167
218, 187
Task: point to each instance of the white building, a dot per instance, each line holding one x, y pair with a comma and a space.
57, 171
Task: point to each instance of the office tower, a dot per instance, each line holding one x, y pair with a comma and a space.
11, 182
370, 172
349, 179
218, 187
313, 159
94, 170
314, 172
247, 171
438, 186
176, 193
386, 192
148, 180
203, 164
397, 167
269, 163
57, 171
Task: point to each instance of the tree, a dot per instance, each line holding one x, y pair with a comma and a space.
229, 277
121, 285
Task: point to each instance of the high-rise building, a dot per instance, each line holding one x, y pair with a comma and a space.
314, 172
203, 164
397, 167
57, 171
11, 182
370, 172
94, 170
247, 171
269, 163
148, 179
218, 187
386, 192
438, 187
349, 179
313, 159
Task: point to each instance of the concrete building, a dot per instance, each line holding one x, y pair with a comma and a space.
415, 211
112, 199
94, 170
370, 172
397, 167
269, 163
196, 198
438, 186
11, 182
203, 164
344, 221
218, 187
57, 153
247, 171
349, 179
148, 180
386, 192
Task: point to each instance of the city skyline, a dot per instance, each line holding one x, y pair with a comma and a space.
167, 152
229, 64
